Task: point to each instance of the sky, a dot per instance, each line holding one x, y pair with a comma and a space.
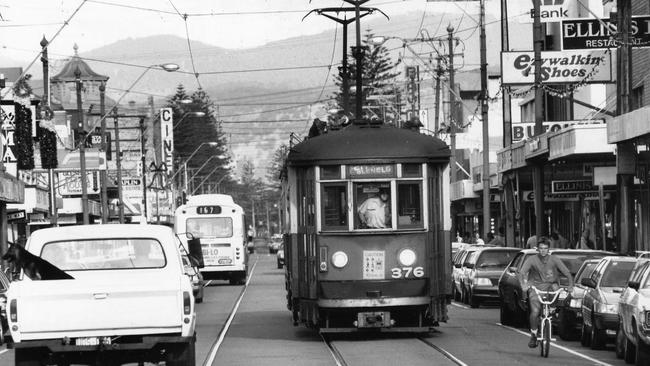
228, 24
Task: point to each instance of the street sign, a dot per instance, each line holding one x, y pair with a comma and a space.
524, 130
549, 10
70, 183
167, 136
558, 67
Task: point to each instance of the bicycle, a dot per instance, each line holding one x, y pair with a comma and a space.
545, 325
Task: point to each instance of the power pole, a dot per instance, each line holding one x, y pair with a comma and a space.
143, 151
82, 149
102, 173
625, 151
118, 163
486, 131
452, 104
46, 99
508, 188
437, 115
538, 168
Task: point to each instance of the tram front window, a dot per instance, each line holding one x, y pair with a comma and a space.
409, 204
210, 227
373, 205
335, 207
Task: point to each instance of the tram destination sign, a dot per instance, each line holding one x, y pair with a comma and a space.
371, 171
580, 34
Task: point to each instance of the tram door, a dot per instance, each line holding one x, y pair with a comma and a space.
307, 234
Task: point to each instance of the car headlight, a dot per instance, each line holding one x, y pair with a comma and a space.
339, 259
606, 308
575, 303
482, 281
407, 257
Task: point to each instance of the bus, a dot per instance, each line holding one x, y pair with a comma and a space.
219, 223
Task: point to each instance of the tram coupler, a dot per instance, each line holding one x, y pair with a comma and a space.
376, 319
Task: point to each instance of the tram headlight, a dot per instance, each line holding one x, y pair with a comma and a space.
339, 259
407, 257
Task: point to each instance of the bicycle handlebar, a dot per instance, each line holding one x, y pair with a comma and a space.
555, 294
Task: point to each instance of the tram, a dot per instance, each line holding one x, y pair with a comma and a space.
367, 230
219, 223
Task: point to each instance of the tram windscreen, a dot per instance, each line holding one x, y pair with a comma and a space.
210, 227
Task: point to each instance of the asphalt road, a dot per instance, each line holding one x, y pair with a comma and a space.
250, 325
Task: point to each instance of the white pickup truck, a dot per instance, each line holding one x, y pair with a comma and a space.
129, 299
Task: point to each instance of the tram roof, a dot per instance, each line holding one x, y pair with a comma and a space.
366, 143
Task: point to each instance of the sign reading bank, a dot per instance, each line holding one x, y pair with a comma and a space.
549, 10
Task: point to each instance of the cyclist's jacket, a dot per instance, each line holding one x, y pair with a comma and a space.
544, 272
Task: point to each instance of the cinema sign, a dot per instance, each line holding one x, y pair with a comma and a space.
558, 67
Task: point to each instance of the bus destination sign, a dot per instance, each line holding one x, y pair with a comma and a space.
208, 210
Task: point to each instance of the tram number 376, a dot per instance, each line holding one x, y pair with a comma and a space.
406, 272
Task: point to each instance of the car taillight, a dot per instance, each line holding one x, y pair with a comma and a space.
13, 311
187, 304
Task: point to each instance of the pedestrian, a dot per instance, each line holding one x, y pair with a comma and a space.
499, 239
477, 238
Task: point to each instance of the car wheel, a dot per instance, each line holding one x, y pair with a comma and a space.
474, 302
199, 296
184, 356
597, 340
620, 342
585, 335
564, 326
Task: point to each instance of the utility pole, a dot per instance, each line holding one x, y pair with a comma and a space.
437, 115
143, 156
538, 168
508, 188
46, 100
118, 163
486, 131
625, 151
452, 105
82, 149
103, 173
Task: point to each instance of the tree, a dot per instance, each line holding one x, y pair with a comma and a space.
190, 132
380, 93
277, 165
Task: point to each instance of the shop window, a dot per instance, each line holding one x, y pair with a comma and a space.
637, 97
330, 172
409, 205
372, 203
334, 207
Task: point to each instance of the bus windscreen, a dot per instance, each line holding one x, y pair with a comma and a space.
210, 227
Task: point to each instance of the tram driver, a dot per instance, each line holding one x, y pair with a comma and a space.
374, 212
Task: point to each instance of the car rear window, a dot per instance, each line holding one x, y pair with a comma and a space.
616, 274
99, 254
495, 259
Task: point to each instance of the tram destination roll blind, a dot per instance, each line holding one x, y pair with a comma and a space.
371, 171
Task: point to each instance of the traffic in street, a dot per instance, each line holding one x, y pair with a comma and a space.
250, 325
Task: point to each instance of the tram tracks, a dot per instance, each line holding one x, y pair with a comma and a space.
340, 360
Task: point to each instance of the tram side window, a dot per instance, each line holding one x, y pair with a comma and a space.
372, 205
409, 204
335, 207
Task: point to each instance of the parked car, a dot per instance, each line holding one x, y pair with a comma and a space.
633, 338
280, 256
484, 269
570, 310
513, 305
600, 303
195, 277
458, 273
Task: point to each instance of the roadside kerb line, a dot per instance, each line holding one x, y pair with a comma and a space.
207, 283
565, 349
3, 351
453, 303
222, 334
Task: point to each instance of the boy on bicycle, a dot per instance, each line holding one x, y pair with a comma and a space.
543, 272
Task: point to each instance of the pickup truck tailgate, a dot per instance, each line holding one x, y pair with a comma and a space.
119, 302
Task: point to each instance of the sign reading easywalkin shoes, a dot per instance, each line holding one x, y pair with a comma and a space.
589, 66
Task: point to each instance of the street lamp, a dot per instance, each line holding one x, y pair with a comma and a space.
198, 114
210, 143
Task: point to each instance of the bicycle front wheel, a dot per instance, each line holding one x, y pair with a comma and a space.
546, 337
